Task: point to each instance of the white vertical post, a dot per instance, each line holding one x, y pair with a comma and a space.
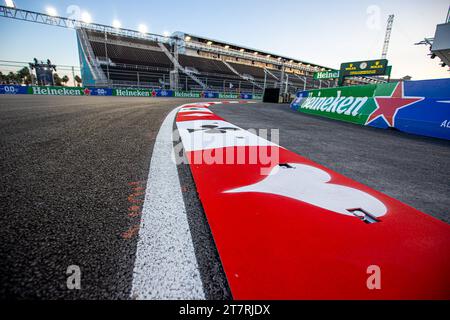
106, 53
265, 78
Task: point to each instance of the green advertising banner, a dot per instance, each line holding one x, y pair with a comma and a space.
120, 92
324, 75
56, 91
228, 96
415, 107
364, 68
351, 104
132, 93
187, 94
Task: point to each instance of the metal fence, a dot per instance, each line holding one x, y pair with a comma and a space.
11, 73
136, 76
146, 77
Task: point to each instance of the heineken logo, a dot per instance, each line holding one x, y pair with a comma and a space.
326, 75
349, 106
57, 91
184, 94
132, 93
365, 105
227, 96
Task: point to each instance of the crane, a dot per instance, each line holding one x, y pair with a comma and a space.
387, 37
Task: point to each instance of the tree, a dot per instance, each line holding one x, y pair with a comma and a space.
57, 80
24, 75
2, 77
65, 79
78, 80
11, 78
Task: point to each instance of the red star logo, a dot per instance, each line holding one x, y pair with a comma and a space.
87, 92
153, 93
387, 107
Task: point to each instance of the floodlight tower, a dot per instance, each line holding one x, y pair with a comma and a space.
387, 37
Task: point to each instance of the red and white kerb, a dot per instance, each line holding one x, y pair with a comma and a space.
288, 228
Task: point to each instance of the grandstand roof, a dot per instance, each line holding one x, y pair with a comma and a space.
237, 47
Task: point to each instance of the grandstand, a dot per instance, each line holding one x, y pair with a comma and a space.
118, 57
188, 62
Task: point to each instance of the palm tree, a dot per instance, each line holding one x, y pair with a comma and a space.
65, 79
24, 75
78, 80
11, 78
57, 80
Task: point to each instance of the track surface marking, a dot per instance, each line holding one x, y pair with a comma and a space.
165, 265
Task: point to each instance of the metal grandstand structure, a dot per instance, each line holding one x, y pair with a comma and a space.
119, 57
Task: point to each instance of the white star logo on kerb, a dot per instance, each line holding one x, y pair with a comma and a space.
312, 185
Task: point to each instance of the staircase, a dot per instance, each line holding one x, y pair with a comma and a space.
242, 76
266, 70
180, 67
94, 65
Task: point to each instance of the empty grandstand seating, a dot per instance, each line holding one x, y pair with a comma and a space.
255, 72
205, 65
132, 56
127, 61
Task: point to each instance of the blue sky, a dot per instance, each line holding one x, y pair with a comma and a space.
323, 31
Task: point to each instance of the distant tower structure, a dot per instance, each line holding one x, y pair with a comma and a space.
387, 37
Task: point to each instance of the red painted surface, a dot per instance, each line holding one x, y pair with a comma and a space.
274, 247
186, 116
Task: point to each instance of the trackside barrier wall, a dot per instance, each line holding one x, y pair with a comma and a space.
91, 91
417, 107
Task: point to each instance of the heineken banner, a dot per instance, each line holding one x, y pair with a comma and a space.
418, 107
56, 91
141, 93
325, 75
125, 92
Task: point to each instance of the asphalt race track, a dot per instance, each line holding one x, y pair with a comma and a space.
67, 169
72, 167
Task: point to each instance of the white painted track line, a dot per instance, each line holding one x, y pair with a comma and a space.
165, 266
